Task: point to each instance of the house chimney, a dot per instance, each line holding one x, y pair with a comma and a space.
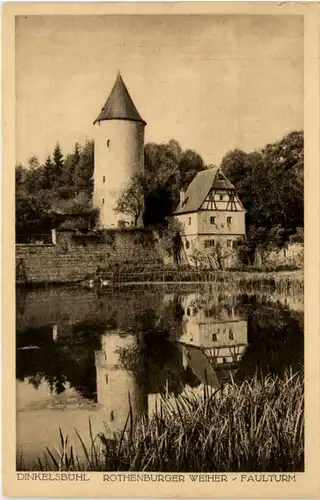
182, 196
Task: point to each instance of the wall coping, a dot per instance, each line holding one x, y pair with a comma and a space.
41, 245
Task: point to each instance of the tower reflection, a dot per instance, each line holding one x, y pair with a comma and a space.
118, 390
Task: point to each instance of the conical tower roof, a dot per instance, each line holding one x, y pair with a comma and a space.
119, 105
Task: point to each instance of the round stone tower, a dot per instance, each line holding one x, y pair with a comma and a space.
118, 153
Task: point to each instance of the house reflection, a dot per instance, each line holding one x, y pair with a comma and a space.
214, 326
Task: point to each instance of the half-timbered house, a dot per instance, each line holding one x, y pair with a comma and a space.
210, 212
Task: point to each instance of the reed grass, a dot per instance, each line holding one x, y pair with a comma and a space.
255, 426
248, 279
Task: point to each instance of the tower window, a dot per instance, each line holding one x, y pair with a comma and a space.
187, 244
212, 220
102, 201
214, 337
106, 378
104, 179
221, 197
229, 220
230, 334
108, 143
229, 243
189, 221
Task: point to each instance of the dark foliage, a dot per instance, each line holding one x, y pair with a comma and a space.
270, 185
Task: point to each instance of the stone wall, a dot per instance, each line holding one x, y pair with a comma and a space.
74, 255
290, 255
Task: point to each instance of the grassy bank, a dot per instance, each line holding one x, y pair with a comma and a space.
282, 281
255, 426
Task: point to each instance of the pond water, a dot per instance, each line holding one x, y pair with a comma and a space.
82, 354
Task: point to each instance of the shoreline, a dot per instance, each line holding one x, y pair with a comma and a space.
184, 277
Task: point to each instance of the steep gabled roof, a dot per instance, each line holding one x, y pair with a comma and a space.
197, 191
200, 187
119, 105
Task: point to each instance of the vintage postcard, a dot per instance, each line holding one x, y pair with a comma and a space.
161, 250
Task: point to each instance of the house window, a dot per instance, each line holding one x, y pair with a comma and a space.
231, 334
229, 243
189, 221
187, 244
229, 220
104, 179
108, 143
212, 220
208, 243
188, 311
214, 337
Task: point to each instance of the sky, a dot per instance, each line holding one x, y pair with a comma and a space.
214, 83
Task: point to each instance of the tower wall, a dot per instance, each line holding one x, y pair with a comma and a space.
119, 153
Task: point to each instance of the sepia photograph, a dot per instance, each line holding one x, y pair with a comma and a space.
159, 247
159, 243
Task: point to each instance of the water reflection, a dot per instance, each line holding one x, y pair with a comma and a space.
101, 356
118, 388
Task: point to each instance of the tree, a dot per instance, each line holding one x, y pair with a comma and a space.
48, 173
167, 170
189, 165
83, 169
58, 163
20, 176
214, 257
32, 215
131, 200
170, 239
270, 185
32, 175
